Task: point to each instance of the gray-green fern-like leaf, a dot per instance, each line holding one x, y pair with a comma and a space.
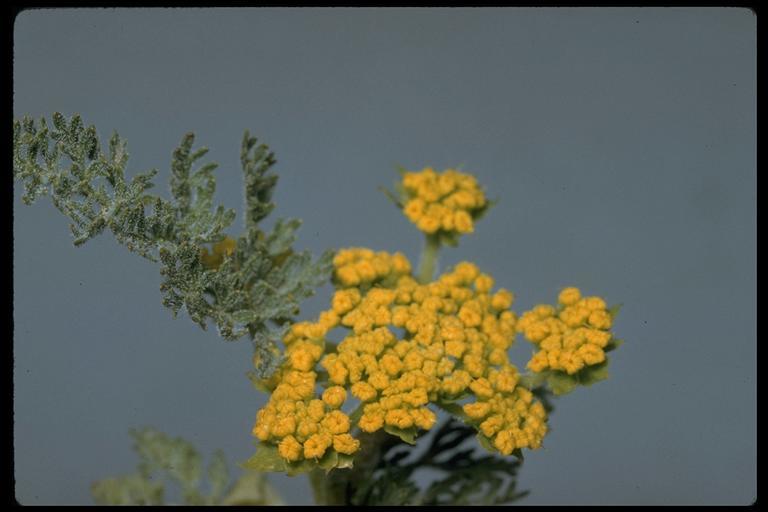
254, 292
132, 489
256, 161
165, 459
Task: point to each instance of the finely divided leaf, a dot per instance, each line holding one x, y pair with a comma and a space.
254, 292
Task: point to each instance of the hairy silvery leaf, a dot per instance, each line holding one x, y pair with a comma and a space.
254, 292
252, 488
164, 459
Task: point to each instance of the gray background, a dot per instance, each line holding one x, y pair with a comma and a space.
619, 142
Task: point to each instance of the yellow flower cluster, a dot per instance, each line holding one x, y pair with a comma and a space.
506, 413
442, 201
570, 337
301, 425
456, 338
407, 345
221, 249
358, 266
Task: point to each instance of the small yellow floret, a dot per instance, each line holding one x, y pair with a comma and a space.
364, 391
290, 449
569, 296
371, 422
483, 283
336, 422
345, 443
334, 396
502, 299
463, 222
477, 410
600, 319
316, 445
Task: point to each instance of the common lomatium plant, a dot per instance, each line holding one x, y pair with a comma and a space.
356, 394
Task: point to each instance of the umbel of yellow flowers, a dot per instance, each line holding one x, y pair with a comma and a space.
571, 339
406, 345
447, 201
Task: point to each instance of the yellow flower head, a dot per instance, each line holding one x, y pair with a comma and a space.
356, 266
289, 448
407, 346
346, 444
569, 337
334, 396
316, 445
447, 202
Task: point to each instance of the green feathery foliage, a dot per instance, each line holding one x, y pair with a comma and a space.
164, 459
255, 291
467, 478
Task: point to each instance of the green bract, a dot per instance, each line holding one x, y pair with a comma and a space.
561, 383
267, 459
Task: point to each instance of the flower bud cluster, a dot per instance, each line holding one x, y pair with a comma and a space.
447, 201
569, 337
360, 267
408, 345
300, 424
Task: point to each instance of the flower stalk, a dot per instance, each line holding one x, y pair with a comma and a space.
336, 486
429, 259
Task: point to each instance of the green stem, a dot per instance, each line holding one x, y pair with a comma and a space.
326, 489
336, 487
317, 481
428, 261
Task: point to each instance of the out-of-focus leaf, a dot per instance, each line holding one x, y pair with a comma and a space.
127, 490
266, 459
252, 488
164, 459
218, 475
